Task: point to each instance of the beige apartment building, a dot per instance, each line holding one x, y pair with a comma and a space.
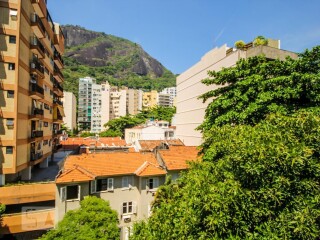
134, 99
191, 110
70, 105
30, 92
128, 181
150, 99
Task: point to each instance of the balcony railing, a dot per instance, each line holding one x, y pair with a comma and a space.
36, 44
36, 156
58, 86
36, 134
33, 87
57, 56
36, 65
37, 111
56, 101
57, 132
36, 21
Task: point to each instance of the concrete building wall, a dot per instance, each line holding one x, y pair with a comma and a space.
70, 103
191, 110
105, 104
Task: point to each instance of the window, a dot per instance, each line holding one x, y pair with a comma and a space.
11, 66
10, 94
152, 183
127, 182
45, 124
70, 193
10, 122
12, 39
9, 150
102, 185
129, 208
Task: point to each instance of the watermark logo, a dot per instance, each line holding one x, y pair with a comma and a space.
36, 218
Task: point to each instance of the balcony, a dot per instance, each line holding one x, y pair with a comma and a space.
57, 132
27, 193
58, 39
28, 221
35, 156
57, 102
40, 7
37, 26
57, 73
35, 91
58, 59
36, 114
36, 134
57, 89
37, 68
36, 47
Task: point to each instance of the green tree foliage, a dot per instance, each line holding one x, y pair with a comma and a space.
94, 220
2, 210
255, 182
116, 127
260, 172
256, 87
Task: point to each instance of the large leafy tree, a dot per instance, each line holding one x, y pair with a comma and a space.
94, 220
260, 173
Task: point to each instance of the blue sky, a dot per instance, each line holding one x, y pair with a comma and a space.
179, 32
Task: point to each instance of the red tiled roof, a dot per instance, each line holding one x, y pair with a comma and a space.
75, 174
149, 169
177, 157
109, 164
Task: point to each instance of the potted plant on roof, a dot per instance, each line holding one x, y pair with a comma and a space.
240, 44
260, 41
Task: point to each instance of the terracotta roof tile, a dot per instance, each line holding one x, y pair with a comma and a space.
76, 174
108, 164
177, 157
149, 145
150, 169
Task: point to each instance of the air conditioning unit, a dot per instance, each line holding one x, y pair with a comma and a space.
126, 219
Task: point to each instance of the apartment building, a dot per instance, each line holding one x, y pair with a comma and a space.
152, 130
164, 100
84, 102
127, 180
172, 92
30, 94
191, 110
150, 99
134, 101
69, 104
99, 103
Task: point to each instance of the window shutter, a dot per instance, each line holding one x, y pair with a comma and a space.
79, 192
63, 193
155, 182
134, 207
93, 186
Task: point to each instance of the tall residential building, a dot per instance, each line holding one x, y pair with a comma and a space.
31, 111
150, 99
190, 110
134, 101
99, 103
70, 103
84, 102
172, 91
164, 100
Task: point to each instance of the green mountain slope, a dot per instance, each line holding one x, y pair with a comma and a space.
110, 58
